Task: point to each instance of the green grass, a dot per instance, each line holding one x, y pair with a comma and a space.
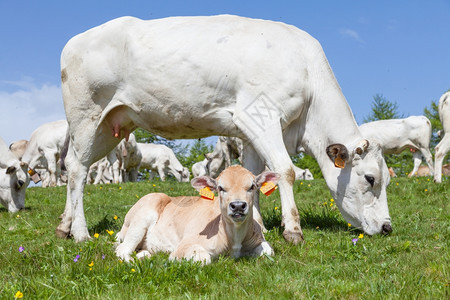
411, 263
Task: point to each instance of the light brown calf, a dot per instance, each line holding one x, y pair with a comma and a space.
425, 171
196, 228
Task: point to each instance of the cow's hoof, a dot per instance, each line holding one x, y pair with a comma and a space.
294, 237
62, 234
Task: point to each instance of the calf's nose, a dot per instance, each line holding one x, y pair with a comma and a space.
386, 228
238, 206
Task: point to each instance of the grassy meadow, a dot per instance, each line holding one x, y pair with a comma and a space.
410, 263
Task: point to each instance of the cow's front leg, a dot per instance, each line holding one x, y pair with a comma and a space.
267, 140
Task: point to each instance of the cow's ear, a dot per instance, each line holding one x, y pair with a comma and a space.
10, 170
201, 182
338, 154
267, 176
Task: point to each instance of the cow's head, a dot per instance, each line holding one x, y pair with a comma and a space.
185, 175
13, 183
237, 188
358, 183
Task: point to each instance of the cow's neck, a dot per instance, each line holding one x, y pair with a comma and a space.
235, 234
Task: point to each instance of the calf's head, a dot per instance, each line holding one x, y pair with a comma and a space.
236, 188
358, 183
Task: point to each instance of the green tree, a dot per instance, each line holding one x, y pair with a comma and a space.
195, 153
382, 109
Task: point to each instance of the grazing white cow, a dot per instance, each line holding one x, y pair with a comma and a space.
44, 149
100, 172
18, 148
13, 179
129, 157
161, 158
265, 82
232, 147
196, 228
396, 135
302, 174
443, 147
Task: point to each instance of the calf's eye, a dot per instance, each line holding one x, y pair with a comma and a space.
370, 179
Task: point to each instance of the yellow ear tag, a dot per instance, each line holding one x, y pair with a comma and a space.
206, 193
268, 188
31, 172
339, 162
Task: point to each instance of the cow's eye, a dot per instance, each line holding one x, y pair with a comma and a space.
370, 179
252, 188
221, 189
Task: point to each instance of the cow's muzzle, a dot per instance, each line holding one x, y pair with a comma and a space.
238, 209
386, 228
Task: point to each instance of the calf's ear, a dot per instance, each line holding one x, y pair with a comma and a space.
338, 154
201, 182
267, 176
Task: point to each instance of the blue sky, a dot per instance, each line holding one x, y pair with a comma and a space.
400, 49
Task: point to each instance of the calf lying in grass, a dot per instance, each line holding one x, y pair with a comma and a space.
197, 228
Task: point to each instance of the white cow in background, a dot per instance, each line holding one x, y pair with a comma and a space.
302, 174
129, 157
396, 135
44, 149
14, 179
161, 159
265, 82
100, 172
443, 147
232, 147
200, 168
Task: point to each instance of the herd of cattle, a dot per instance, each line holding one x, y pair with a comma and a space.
266, 83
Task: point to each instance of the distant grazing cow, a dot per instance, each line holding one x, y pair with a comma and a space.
443, 147
232, 147
425, 171
396, 135
161, 158
303, 174
18, 148
13, 179
196, 228
265, 82
100, 172
44, 149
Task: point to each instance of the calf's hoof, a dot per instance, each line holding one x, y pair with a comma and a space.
294, 237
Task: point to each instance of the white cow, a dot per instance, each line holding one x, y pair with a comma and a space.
200, 168
196, 228
232, 147
396, 135
100, 172
160, 158
44, 149
14, 179
443, 147
129, 157
302, 174
191, 77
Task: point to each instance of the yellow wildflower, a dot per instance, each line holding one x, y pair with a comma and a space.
154, 185
396, 183
96, 235
332, 200
360, 236
133, 270
276, 207
349, 225
110, 232
91, 264
18, 295
120, 187
426, 190
301, 183
17, 216
116, 217
331, 204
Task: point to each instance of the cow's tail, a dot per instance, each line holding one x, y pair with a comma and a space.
64, 150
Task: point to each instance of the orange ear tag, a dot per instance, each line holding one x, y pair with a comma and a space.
206, 193
268, 188
339, 162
